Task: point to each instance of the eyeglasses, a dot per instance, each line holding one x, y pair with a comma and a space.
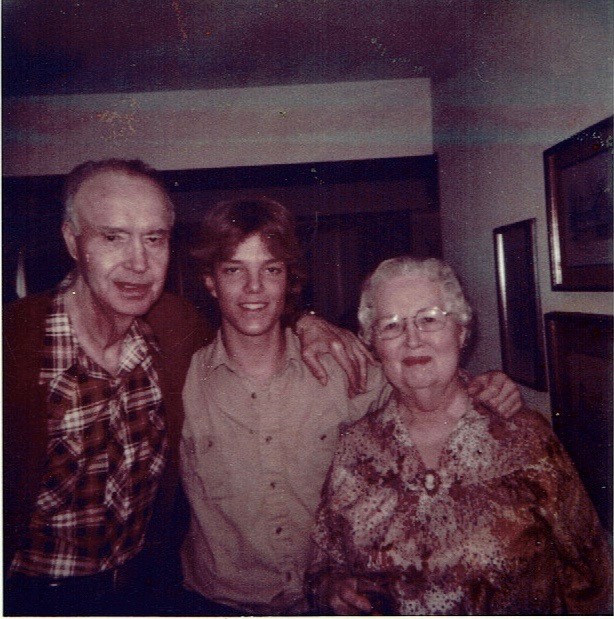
428, 319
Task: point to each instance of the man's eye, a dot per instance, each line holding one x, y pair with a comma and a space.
275, 270
157, 239
230, 270
111, 237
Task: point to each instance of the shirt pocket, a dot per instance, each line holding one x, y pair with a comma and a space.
62, 471
314, 453
204, 468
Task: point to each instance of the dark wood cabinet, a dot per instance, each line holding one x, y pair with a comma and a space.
581, 372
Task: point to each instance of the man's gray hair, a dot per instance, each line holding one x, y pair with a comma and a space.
130, 167
433, 269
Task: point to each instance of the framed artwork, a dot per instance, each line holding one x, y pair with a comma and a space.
520, 323
578, 175
580, 371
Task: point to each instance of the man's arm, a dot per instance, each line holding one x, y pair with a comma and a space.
24, 416
319, 337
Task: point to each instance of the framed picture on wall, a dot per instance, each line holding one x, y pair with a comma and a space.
520, 324
580, 370
578, 175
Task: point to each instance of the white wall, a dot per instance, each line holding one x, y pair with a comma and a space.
220, 128
535, 74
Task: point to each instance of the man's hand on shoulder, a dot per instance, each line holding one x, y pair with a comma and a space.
496, 391
319, 337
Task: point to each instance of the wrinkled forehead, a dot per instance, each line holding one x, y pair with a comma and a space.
406, 294
112, 190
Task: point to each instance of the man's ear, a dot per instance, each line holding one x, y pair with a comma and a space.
209, 282
70, 238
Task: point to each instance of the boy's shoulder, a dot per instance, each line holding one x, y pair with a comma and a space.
211, 354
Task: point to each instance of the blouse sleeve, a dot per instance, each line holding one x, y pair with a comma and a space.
581, 543
329, 559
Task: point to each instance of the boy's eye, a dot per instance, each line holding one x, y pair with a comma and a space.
230, 270
275, 270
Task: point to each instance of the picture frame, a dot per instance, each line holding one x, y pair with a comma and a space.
522, 349
579, 350
578, 178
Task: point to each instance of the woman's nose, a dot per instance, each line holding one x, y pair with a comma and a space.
412, 334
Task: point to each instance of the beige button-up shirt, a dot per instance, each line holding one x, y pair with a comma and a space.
254, 459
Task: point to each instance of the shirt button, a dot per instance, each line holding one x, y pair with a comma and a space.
253, 396
273, 485
288, 576
278, 530
268, 439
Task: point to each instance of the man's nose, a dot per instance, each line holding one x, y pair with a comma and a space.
138, 260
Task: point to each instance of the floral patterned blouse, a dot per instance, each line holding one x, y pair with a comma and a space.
503, 526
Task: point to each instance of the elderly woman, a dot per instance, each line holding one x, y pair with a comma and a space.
433, 505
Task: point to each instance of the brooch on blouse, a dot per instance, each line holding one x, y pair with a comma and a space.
431, 482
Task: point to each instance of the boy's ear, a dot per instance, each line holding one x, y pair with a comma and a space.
209, 282
463, 337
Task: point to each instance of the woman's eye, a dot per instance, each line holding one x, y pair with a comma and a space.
389, 326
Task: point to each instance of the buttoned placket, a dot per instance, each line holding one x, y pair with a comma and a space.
118, 426
267, 407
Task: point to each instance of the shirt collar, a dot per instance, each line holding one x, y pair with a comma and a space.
65, 350
218, 355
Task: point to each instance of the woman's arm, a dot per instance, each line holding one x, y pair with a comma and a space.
581, 543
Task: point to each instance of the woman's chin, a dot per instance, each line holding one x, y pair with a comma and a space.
419, 376
425, 379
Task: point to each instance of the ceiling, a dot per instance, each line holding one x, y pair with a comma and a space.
92, 46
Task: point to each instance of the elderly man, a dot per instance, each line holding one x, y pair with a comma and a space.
93, 374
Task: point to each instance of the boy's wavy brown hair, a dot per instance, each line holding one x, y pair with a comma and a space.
229, 223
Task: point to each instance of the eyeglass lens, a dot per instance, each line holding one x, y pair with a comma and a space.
427, 319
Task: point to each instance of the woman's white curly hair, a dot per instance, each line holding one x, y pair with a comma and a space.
435, 270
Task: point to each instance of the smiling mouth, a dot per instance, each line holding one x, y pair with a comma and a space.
135, 291
411, 361
253, 307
